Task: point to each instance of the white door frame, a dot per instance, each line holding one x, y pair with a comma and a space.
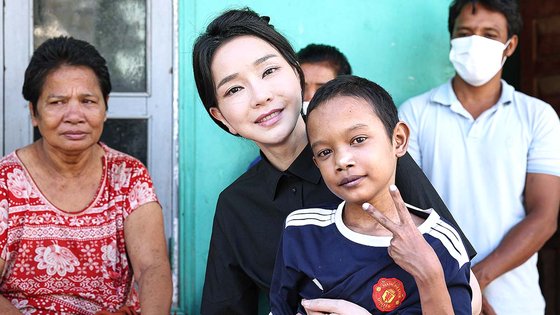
2, 87
17, 44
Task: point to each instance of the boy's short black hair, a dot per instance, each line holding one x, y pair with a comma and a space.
353, 86
59, 51
318, 53
509, 8
227, 26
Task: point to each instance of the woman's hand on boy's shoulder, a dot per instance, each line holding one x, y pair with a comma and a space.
408, 247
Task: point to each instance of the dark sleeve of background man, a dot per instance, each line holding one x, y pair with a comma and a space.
417, 190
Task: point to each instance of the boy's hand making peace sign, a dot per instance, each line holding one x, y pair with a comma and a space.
412, 253
408, 247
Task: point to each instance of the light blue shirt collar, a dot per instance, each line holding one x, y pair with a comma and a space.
444, 95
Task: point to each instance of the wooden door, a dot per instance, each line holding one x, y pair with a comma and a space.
540, 77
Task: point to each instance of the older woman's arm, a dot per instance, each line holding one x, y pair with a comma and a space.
6, 308
146, 246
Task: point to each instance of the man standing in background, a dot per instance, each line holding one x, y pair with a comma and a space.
493, 155
320, 64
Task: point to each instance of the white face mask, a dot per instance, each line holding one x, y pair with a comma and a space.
477, 59
305, 104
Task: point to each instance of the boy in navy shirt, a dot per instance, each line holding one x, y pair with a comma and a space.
370, 250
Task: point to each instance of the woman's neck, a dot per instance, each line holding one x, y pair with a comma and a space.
282, 155
66, 164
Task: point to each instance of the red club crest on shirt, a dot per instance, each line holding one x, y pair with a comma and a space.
388, 294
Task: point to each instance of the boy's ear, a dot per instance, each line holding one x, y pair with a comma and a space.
217, 114
400, 138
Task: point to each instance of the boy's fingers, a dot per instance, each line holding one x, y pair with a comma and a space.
380, 217
403, 213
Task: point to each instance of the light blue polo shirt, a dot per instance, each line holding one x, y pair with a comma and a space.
479, 166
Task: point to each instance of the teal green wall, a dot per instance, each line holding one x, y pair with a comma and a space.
401, 44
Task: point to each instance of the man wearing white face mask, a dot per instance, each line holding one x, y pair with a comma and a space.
492, 153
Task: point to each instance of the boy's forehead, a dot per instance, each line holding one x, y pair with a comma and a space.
341, 102
341, 109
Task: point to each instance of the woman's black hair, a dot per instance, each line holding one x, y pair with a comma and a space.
59, 51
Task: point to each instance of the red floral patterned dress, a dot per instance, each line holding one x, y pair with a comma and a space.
59, 262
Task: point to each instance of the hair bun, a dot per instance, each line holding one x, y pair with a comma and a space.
265, 18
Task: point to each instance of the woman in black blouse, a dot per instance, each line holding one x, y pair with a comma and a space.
250, 82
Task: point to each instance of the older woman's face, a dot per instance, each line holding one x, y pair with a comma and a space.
71, 109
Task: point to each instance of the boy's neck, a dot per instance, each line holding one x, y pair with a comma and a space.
359, 221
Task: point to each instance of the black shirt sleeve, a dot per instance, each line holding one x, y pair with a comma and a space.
418, 191
227, 288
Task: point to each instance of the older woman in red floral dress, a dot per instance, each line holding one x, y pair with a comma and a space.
80, 223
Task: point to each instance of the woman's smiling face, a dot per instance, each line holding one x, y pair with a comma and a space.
258, 92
